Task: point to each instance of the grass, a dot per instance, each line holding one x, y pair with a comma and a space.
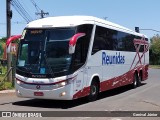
1, 78
5, 84
3, 69
154, 66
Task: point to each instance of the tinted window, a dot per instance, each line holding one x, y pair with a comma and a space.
141, 49
104, 39
125, 42
107, 39
82, 46
61, 33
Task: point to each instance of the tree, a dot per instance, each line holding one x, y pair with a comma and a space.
155, 50
3, 39
2, 44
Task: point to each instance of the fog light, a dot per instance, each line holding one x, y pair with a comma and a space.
63, 94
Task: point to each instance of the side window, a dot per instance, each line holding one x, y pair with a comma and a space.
99, 40
129, 44
121, 41
142, 46
125, 42
104, 39
107, 39
78, 56
82, 46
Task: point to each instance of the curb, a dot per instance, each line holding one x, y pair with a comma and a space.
7, 91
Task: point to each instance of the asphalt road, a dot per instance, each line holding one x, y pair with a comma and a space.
143, 98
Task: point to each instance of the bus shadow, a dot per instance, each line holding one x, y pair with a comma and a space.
64, 104
56, 104
117, 91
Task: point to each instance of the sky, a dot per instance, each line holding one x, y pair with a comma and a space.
144, 14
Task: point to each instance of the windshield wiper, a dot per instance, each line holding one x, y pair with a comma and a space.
61, 71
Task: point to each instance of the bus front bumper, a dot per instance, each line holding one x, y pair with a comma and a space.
62, 93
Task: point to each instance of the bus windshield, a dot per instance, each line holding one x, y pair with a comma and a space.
45, 51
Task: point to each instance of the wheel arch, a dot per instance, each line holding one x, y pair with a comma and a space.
96, 78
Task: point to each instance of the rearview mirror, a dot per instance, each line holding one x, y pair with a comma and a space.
73, 41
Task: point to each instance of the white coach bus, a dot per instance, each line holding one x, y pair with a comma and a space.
70, 57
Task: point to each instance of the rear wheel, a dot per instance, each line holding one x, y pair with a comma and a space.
94, 91
135, 80
140, 79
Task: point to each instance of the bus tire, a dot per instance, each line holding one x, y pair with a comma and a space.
140, 79
135, 80
94, 91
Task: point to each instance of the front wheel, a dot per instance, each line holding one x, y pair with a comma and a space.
94, 91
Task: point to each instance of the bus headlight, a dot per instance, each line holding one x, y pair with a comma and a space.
64, 82
19, 82
61, 84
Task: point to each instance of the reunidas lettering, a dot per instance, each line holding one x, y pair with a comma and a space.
112, 59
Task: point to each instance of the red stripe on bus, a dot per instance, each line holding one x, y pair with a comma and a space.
73, 78
119, 81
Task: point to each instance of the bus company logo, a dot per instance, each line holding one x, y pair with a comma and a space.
38, 87
112, 59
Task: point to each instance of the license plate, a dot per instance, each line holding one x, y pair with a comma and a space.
38, 94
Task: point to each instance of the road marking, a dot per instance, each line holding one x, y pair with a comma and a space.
83, 118
116, 119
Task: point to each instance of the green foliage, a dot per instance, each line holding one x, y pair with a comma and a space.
6, 86
3, 40
2, 43
1, 49
3, 69
155, 50
155, 44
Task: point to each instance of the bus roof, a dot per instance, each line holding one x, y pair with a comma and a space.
71, 21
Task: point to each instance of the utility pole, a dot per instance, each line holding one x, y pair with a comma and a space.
42, 13
9, 55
